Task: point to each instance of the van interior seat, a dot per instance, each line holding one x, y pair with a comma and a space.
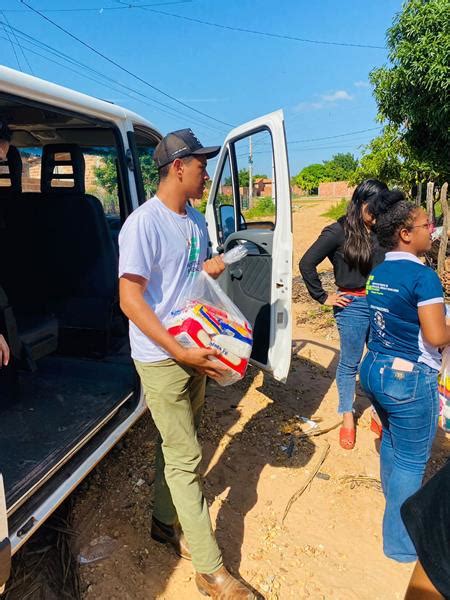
34, 335
10, 182
78, 252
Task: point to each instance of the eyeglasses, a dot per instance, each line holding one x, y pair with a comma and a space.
428, 225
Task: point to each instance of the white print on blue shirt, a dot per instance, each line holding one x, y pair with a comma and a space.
395, 290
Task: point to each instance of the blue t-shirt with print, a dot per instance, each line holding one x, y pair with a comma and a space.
395, 290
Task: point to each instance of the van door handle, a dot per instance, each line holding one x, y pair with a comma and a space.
236, 273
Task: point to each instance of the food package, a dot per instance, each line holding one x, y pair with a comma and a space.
206, 318
444, 391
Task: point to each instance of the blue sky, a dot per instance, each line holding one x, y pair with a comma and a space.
231, 75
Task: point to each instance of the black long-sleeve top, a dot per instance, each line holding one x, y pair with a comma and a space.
330, 244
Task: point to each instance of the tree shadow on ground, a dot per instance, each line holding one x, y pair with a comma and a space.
261, 440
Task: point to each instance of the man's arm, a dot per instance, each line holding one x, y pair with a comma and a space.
135, 307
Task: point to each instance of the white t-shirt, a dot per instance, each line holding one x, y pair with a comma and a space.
164, 247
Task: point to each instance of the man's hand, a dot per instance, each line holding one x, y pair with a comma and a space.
337, 300
198, 359
214, 266
4, 352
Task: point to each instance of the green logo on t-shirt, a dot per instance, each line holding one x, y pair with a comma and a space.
194, 256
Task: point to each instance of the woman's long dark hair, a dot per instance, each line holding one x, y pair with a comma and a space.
358, 244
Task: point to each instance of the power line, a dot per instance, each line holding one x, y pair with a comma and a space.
172, 114
70, 60
331, 137
17, 40
328, 137
119, 66
12, 46
99, 9
260, 33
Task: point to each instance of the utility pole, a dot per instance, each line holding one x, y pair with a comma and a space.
250, 175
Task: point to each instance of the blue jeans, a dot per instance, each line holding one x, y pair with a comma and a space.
408, 406
353, 326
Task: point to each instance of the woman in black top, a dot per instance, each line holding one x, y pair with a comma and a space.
352, 248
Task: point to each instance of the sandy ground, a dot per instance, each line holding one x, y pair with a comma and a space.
255, 461
321, 544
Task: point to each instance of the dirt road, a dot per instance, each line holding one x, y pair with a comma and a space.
256, 461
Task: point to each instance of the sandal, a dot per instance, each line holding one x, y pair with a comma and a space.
376, 428
347, 438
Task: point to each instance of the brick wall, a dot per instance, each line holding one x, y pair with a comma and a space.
340, 189
32, 174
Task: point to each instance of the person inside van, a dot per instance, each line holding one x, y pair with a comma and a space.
5, 139
160, 244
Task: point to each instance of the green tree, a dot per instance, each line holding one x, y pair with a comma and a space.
389, 158
311, 176
106, 174
244, 178
341, 166
413, 92
149, 172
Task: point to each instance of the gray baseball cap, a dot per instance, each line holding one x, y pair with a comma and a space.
179, 144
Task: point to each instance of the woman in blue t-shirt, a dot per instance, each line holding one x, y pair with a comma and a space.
399, 372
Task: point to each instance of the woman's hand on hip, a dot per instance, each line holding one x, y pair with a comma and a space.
339, 299
4, 352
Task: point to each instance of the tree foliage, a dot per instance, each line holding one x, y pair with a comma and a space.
339, 168
149, 172
311, 176
413, 92
389, 158
106, 173
244, 178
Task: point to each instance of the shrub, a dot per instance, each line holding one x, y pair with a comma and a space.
337, 211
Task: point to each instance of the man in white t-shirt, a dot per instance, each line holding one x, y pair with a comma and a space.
162, 244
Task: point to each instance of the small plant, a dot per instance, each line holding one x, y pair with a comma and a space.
337, 211
264, 207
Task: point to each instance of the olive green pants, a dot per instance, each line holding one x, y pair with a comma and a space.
175, 395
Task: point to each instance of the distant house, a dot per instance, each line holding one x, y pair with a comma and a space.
262, 187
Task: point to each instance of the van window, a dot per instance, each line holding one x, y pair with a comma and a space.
100, 176
145, 145
254, 157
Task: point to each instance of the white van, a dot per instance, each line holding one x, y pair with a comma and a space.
76, 168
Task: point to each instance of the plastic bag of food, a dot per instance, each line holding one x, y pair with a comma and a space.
444, 390
205, 317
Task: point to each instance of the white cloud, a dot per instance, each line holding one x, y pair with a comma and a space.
324, 100
361, 84
337, 96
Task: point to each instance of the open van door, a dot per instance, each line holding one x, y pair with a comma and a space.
5, 546
260, 284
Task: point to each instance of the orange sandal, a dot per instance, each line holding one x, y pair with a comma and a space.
347, 438
376, 428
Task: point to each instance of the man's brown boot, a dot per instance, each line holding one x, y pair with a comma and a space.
170, 534
221, 585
